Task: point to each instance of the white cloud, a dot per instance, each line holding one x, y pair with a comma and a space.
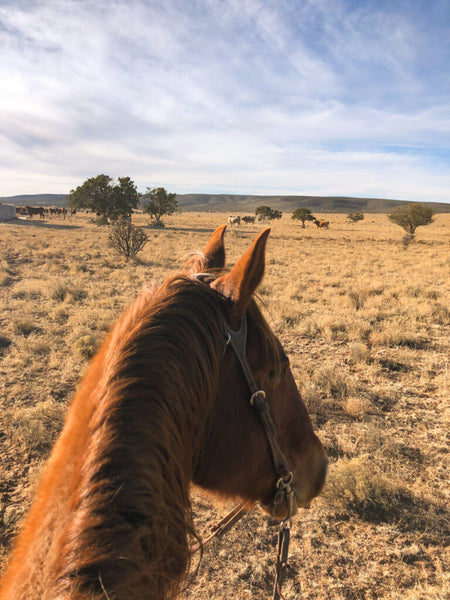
276, 96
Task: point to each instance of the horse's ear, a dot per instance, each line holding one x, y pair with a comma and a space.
213, 255
214, 250
239, 284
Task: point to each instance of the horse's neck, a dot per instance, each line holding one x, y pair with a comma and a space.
113, 511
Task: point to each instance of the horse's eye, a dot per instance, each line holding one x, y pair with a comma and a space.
278, 375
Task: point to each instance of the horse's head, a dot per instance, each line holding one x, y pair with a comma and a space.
239, 458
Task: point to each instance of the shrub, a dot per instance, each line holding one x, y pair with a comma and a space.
357, 486
265, 212
127, 239
86, 346
356, 216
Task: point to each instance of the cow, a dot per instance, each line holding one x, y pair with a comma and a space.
322, 224
35, 210
234, 220
248, 219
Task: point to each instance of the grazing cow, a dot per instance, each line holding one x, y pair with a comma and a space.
35, 210
322, 224
21, 211
72, 213
234, 220
248, 219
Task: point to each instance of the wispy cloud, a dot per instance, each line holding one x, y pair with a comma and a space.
318, 96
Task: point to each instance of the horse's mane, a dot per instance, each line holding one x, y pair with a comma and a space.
160, 368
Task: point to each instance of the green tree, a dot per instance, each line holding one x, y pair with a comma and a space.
265, 212
302, 214
356, 216
101, 195
157, 202
411, 217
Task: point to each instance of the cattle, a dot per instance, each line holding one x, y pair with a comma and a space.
35, 210
234, 220
56, 211
248, 219
322, 224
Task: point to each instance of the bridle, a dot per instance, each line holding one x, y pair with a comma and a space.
237, 341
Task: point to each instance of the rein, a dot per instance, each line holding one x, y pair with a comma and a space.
237, 340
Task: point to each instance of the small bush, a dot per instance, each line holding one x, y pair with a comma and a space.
356, 486
127, 239
356, 216
100, 221
86, 346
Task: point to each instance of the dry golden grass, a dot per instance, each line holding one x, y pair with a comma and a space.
366, 324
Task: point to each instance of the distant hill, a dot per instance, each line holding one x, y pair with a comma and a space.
36, 200
320, 204
247, 203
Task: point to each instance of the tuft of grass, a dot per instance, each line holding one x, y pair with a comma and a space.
359, 352
86, 345
57, 290
35, 427
5, 342
335, 382
25, 327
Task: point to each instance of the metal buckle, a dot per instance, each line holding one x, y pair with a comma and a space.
259, 404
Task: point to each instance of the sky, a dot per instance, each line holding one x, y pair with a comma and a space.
269, 97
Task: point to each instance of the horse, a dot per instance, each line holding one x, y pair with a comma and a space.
322, 224
234, 220
169, 399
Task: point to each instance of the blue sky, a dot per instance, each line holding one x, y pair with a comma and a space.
322, 97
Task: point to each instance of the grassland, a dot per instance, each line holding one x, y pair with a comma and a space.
366, 325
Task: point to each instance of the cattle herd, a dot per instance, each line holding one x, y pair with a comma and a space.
44, 211
236, 220
54, 211
232, 220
